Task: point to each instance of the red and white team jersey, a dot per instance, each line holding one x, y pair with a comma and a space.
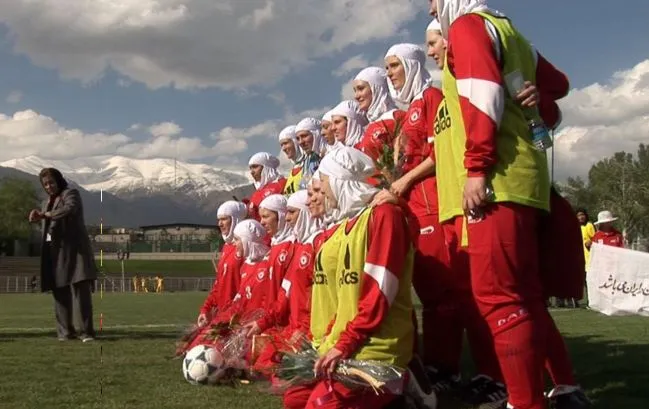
253, 290
473, 55
256, 198
280, 257
293, 306
388, 248
228, 278
418, 138
612, 238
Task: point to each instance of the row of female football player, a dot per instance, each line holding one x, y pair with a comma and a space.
461, 223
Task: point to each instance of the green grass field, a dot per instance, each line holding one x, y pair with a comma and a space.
129, 367
167, 268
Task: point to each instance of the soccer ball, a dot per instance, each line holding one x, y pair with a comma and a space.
203, 365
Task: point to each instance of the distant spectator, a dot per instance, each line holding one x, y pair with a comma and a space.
67, 263
606, 233
587, 231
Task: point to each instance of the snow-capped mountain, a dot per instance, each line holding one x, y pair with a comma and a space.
124, 176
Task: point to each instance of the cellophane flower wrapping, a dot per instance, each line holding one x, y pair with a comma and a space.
297, 368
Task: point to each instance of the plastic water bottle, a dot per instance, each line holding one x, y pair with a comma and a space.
540, 135
538, 130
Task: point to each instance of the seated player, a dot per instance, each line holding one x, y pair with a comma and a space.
273, 218
228, 277
371, 285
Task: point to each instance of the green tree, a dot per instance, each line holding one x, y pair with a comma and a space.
17, 198
620, 184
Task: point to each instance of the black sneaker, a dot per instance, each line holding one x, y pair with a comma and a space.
443, 382
482, 392
569, 398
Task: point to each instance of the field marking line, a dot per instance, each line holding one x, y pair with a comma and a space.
49, 329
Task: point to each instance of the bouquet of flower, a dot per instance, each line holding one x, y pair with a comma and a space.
389, 156
296, 368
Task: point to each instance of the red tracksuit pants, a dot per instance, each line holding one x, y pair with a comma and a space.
334, 395
442, 282
506, 285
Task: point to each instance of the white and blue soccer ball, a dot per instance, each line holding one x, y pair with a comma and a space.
203, 365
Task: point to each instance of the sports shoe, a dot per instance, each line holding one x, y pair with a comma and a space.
482, 392
419, 389
86, 338
568, 397
443, 382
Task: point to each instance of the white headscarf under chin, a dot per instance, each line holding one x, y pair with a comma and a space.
413, 59
382, 102
348, 168
252, 234
269, 173
290, 133
356, 120
237, 211
313, 126
449, 10
305, 226
277, 203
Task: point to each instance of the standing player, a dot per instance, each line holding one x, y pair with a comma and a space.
290, 147
505, 185
267, 180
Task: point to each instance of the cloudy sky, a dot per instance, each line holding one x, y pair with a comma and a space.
213, 81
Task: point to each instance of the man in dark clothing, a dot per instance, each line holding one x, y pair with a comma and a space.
67, 262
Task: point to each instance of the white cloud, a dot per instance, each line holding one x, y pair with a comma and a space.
599, 120
14, 97
30, 133
165, 129
353, 64
195, 43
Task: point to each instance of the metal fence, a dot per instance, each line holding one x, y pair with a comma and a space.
24, 284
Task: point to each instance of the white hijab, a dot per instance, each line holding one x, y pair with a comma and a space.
348, 168
413, 59
356, 120
290, 133
313, 126
449, 10
252, 234
305, 226
237, 211
277, 203
382, 102
269, 173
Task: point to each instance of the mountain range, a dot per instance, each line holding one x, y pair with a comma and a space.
126, 192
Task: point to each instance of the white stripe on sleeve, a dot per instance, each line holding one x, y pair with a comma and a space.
387, 281
487, 96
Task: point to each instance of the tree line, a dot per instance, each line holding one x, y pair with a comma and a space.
619, 183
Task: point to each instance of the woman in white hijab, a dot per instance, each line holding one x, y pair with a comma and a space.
273, 217
251, 297
372, 93
308, 132
373, 311
348, 122
225, 286
406, 67
290, 146
292, 308
328, 135
267, 180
